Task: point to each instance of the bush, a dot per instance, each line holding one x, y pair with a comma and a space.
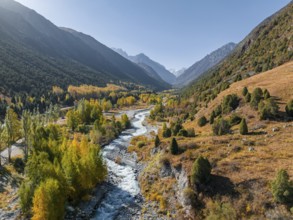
266, 94
140, 144
230, 103
220, 211
174, 149
218, 110
201, 171
244, 91
256, 97
282, 188
248, 97
289, 108
221, 127
234, 120
202, 121
176, 128
183, 133
212, 117
166, 131
157, 141
268, 109
243, 127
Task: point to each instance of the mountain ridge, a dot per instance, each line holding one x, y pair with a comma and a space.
166, 75
60, 56
209, 61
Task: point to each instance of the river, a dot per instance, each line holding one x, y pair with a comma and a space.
123, 199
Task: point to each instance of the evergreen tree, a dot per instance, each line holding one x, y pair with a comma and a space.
201, 171
212, 117
13, 129
202, 121
174, 149
256, 97
247, 97
289, 108
244, 91
243, 127
157, 141
282, 188
266, 94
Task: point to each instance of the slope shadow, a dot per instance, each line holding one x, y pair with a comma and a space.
220, 185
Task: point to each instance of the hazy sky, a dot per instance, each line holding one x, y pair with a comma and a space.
175, 33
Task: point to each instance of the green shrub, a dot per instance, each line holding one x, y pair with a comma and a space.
201, 171
157, 141
234, 120
183, 133
176, 128
282, 188
243, 127
166, 131
256, 96
268, 109
221, 127
202, 121
220, 211
244, 91
212, 117
174, 149
289, 108
266, 94
247, 97
140, 144
218, 110
230, 103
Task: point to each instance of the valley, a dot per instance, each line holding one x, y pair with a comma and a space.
90, 132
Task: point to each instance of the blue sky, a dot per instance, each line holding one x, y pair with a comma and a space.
175, 33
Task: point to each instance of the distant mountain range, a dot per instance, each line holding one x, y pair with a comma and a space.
141, 58
204, 64
177, 72
35, 55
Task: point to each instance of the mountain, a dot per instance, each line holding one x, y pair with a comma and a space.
35, 55
269, 45
177, 72
204, 64
166, 75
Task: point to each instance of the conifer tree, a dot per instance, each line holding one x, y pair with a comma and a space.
243, 127
174, 149
157, 141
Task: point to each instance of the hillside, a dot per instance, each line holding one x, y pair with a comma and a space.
269, 45
243, 166
164, 74
277, 81
204, 64
36, 54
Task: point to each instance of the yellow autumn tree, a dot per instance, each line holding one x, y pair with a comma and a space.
48, 201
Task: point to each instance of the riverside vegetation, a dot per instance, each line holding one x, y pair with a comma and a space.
62, 160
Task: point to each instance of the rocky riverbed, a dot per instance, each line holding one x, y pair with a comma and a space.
119, 197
